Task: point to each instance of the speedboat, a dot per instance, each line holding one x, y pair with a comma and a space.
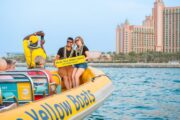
25, 96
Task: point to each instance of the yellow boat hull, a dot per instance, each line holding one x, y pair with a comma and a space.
71, 104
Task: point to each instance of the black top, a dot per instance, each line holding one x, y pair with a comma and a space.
83, 52
61, 53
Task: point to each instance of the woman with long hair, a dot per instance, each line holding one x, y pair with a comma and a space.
79, 68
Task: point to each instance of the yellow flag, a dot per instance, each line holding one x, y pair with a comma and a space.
70, 61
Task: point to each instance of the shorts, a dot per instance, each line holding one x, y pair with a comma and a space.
82, 65
65, 71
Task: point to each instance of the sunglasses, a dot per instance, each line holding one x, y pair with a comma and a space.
76, 40
69, 42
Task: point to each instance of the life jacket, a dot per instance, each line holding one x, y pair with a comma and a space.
31, 53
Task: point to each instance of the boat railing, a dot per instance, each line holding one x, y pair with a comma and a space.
40, 79
56, 77
15, 88
58, 81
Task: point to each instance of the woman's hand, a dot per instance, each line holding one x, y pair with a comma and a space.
87, 54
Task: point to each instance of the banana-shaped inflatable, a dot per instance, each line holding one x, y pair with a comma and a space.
32, 49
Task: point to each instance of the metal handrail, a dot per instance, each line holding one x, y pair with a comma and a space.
36, 70
98, 76
1, 99
57, 76
13, 80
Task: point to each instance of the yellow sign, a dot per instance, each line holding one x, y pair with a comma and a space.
70, 61
24, 91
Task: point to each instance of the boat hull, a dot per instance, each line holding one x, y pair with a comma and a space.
72, 104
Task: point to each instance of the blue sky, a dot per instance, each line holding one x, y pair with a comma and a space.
94, 20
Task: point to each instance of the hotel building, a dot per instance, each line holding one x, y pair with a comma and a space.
159, 32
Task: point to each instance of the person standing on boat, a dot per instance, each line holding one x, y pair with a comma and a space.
79, 68
66, 72
33, 45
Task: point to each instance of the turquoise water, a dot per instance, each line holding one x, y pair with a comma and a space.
141, 94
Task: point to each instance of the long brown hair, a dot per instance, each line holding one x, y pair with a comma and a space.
80, 38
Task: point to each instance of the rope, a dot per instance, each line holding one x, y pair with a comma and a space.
65, 53
79, 51
94, 78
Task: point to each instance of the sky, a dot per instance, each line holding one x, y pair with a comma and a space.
94, 20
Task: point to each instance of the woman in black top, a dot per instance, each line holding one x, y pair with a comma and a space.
79, 68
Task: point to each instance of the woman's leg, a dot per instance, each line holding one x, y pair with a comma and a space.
78, 73
73, 77
70, 82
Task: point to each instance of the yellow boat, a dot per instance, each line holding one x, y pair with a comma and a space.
73, 104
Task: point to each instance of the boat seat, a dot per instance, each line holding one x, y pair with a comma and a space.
40, 89
56, 77
7, 95
58, 89
42, 85
58, 81
86, 76
10, 95
17, 90
40, 81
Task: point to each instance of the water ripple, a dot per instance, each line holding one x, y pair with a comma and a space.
143, 107
176, 81
141, 94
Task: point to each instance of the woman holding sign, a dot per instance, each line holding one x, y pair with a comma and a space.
79, 68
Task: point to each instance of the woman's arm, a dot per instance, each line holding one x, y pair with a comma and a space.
87, 55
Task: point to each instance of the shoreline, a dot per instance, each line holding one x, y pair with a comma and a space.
122, 65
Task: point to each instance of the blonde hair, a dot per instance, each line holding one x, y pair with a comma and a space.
39, 60
80, 38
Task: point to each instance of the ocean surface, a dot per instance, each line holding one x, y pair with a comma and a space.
141, 94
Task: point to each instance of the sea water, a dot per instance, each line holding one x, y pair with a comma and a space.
141, 94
